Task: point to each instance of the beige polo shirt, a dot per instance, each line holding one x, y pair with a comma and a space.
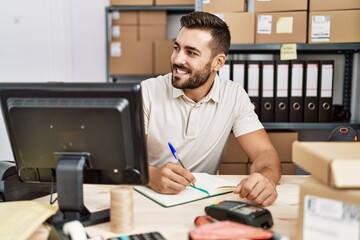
198, 131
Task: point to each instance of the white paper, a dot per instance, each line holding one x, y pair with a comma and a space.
115, 49
282, 80
268, 81
115, 31
320, 29
264, 24
326, 80
297, 80
239, 73
224, 72
115, 15
311, 80
253, 80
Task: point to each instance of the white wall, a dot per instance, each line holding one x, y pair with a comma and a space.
50, 40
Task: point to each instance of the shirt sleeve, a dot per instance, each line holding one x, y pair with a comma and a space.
246, 120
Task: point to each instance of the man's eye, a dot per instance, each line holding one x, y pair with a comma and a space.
176, 48
191, 53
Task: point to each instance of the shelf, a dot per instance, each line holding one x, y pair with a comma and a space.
307, 126
323, 48
173, 9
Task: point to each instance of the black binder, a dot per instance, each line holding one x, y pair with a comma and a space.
311, 99
267, 91
282, 70
296, 91
326, 90
238, 72
253, 84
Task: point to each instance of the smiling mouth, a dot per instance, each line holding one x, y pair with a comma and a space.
180, 70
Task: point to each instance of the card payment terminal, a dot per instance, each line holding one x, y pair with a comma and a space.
242, 212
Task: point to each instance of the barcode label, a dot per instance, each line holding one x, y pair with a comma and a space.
330, 219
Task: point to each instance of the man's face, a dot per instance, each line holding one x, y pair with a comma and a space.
191, 60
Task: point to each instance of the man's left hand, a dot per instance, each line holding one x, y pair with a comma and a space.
258, 189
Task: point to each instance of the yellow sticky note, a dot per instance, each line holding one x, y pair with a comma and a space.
284, 25
288, 51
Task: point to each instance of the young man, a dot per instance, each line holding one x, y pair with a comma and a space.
195, 110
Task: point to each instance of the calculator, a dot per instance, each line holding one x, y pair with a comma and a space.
141, 236
242, 212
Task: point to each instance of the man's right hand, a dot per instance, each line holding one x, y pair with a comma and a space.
170, 178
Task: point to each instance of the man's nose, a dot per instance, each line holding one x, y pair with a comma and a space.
179, 57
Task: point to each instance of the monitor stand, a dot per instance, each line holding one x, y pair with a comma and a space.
69, 182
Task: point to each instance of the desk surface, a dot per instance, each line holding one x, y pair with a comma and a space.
175, 222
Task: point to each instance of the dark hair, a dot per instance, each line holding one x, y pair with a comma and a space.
218, 29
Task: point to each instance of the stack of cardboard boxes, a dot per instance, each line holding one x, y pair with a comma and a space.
333, 21
330, 198
233, 12
139, 44
281, 21
236, 162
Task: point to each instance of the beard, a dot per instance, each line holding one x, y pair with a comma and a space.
196, 78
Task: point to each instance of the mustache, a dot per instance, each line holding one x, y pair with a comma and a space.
174, 65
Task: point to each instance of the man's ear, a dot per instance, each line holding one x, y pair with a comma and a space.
219, 61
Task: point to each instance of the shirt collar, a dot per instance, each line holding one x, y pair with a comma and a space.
214, 93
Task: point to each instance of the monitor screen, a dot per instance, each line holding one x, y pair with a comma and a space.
95, 127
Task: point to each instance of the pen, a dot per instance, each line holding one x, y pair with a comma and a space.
173, 151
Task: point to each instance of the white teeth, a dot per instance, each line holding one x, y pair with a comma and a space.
181, 71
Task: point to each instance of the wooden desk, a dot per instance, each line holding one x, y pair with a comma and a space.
175, 222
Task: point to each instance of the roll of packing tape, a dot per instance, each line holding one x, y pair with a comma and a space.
75, 230
121, 209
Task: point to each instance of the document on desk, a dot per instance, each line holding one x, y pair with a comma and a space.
20, 219
206, 186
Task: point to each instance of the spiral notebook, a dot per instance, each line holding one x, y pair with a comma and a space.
206, 186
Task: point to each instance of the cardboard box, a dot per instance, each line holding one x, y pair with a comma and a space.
327, 213
152, 32
131, 58
280, 5
281, 27
326, 5
124, 32
288, 169
334, 26
241, 26
174, 2
336, 164
125, 17
152, 18
162, 54
131, 2
233, 152
282, 142
219, 6
233, 169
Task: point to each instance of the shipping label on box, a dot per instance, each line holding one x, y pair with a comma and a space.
264, 25
330, 219
334, 26
320, 30
328, 213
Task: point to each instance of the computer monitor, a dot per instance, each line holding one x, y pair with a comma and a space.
75, 133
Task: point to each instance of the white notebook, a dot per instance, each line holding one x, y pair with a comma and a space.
206, 186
